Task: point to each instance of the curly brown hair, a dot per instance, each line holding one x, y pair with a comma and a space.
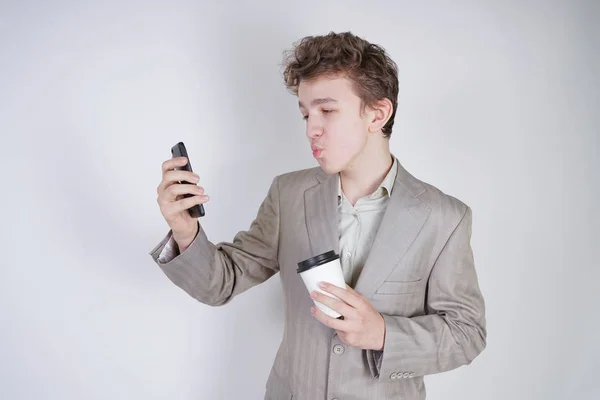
374, 75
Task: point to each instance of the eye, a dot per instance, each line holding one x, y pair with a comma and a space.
305, 117
326, 111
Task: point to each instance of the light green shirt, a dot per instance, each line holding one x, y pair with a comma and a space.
359, 224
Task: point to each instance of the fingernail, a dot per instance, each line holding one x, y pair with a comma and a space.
322, 285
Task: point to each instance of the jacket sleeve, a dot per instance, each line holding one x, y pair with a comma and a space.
215, 273
452, 333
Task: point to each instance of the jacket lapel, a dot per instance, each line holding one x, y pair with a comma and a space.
402, 221
320, 204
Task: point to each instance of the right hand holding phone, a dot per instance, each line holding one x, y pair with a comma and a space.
174, 206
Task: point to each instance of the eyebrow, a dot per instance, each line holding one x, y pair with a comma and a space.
316, 102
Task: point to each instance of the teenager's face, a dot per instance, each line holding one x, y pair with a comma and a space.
335, 127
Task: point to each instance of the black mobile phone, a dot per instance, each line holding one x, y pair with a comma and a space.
179, 150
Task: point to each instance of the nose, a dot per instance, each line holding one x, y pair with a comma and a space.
313, 130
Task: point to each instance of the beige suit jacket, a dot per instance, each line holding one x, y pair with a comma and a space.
419, 275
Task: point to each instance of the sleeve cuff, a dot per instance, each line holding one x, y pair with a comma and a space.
169, 252
374, 359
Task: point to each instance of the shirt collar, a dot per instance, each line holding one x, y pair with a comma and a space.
386, 185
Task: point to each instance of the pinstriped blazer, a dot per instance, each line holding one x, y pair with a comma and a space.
419, 275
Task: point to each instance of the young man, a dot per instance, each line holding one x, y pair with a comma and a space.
412, 305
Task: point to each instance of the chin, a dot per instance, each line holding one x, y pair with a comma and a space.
328, 168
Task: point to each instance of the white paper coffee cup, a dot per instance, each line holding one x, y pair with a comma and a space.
325, 267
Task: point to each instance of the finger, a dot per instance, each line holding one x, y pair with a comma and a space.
184, 204
173, 162
334, 323
179, 190
335, 304
171, 177
182, 176
351, 298
351, 290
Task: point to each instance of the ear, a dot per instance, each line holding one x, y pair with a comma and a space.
379, 114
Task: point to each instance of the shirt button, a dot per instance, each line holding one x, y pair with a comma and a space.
348, 255
339, 349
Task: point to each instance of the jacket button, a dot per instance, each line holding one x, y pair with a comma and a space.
393, 375
339, 349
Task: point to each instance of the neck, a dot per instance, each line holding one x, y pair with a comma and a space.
366, 172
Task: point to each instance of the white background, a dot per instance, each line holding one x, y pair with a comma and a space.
498, 106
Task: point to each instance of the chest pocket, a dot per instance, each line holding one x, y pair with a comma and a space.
411, 273
399, 287
400, 298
